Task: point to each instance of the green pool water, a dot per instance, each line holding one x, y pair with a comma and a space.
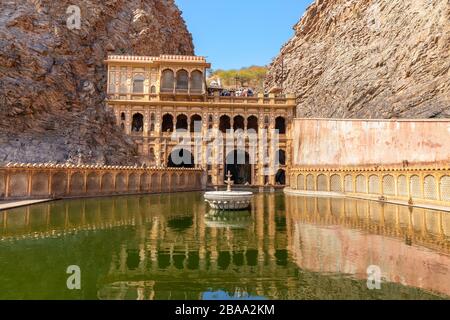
172, 247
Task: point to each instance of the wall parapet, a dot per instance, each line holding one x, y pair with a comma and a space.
412, 185
34, 181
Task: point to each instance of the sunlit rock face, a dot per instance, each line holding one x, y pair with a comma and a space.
52, 79
369, 59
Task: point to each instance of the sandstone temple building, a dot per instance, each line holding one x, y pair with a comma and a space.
153, 97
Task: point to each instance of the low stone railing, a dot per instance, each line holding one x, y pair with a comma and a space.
32, 181
412, 185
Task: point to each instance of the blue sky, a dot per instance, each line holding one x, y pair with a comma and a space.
240, 33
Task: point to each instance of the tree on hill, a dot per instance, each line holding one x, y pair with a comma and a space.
245, 77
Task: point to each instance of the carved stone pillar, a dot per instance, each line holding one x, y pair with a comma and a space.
146, 123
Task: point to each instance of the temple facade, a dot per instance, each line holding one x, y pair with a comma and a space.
155, 97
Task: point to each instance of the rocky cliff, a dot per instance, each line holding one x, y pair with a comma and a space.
52, 78
369, 59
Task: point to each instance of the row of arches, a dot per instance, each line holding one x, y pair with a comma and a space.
182, 81
66, 184
428, 187
182, 158
169, 123
183, 122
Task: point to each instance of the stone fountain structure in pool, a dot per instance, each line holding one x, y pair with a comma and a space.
229, 200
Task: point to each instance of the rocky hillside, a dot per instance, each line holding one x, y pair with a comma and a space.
52, 79
369, 59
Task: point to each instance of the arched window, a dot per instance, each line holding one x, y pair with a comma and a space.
138, 123
348, 183
374, 184
196, 81
415, 189
122, 116
310, 185
252, 123
445, 188
153, 90
138, 84
430, 188
167, 125
336, 183
182, 80
182, 122
167, 81
389, 185
280, 125
322, 182
239, 123
361, 184
402, 186
300, 182
196, 121
225, 123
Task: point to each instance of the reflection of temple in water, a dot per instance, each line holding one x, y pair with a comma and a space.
177, 248
327, 238
285, 252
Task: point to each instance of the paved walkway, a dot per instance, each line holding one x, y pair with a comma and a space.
16, 204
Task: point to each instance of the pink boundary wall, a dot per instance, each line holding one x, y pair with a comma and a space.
344, 143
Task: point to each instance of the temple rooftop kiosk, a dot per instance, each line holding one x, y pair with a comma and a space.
229, 200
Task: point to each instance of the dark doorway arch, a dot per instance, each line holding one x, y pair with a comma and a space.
138, 123
196, 120
181, 158
182, 122
238, 123
252, 123
280, 125
238, 164
225, 123
167, 125
280, 177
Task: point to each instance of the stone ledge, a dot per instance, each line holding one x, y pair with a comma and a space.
319, 194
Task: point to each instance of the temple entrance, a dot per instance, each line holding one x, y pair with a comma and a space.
138, 123
238, 163
181, 158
